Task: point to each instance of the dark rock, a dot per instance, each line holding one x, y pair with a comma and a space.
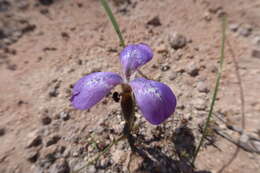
46, 2
52, 140
46, 120
180, 69
65, 35
155, 66
180, 106
32, 155
61, 149
46, 49
2, 34
177, 41
80, 62
64, 116
2, 131
192, 69
79, 5
12, 67
213, 68
214, 9
28, 28
60, 166
154, 21
34, 140
54, 92
44, 11
10, 51
256, 53
165, 68
48, 156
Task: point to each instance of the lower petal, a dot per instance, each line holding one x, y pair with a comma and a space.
155, 100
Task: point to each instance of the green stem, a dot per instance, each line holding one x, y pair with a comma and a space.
204, 134
113, 21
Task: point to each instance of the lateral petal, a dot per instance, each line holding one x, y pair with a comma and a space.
155, 100
91, 88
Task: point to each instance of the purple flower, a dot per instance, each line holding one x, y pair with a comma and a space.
155, 100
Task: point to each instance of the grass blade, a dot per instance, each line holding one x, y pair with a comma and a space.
113, 21
204, 134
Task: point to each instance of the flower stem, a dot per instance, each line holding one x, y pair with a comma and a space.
204, 133
113, 21
128, 105
127, 101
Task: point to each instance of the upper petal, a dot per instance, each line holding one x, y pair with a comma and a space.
91, 88
134, 56
155, 100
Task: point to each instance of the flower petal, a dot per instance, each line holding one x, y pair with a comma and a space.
134, 56
155, 100
92, 88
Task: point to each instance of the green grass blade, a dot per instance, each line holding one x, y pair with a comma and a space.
204, 134
113, 21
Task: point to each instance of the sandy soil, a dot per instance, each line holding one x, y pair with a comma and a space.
45, 49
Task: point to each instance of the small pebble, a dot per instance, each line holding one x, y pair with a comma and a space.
155, 21
234, 27
32, 155
165, 68
207, 16
245, 31
46, 120
46, 2
192, 69
256, 53
199, 104
52, 140
256, 40
64, 116
173, 76
60, 166
2, 131
202, 87
34, 140
177, 40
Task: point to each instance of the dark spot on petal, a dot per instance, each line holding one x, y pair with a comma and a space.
74, 95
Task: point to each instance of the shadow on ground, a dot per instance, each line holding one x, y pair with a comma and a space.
155, 160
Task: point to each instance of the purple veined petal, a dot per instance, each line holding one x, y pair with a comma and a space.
134, 56
155, 100
91, 88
